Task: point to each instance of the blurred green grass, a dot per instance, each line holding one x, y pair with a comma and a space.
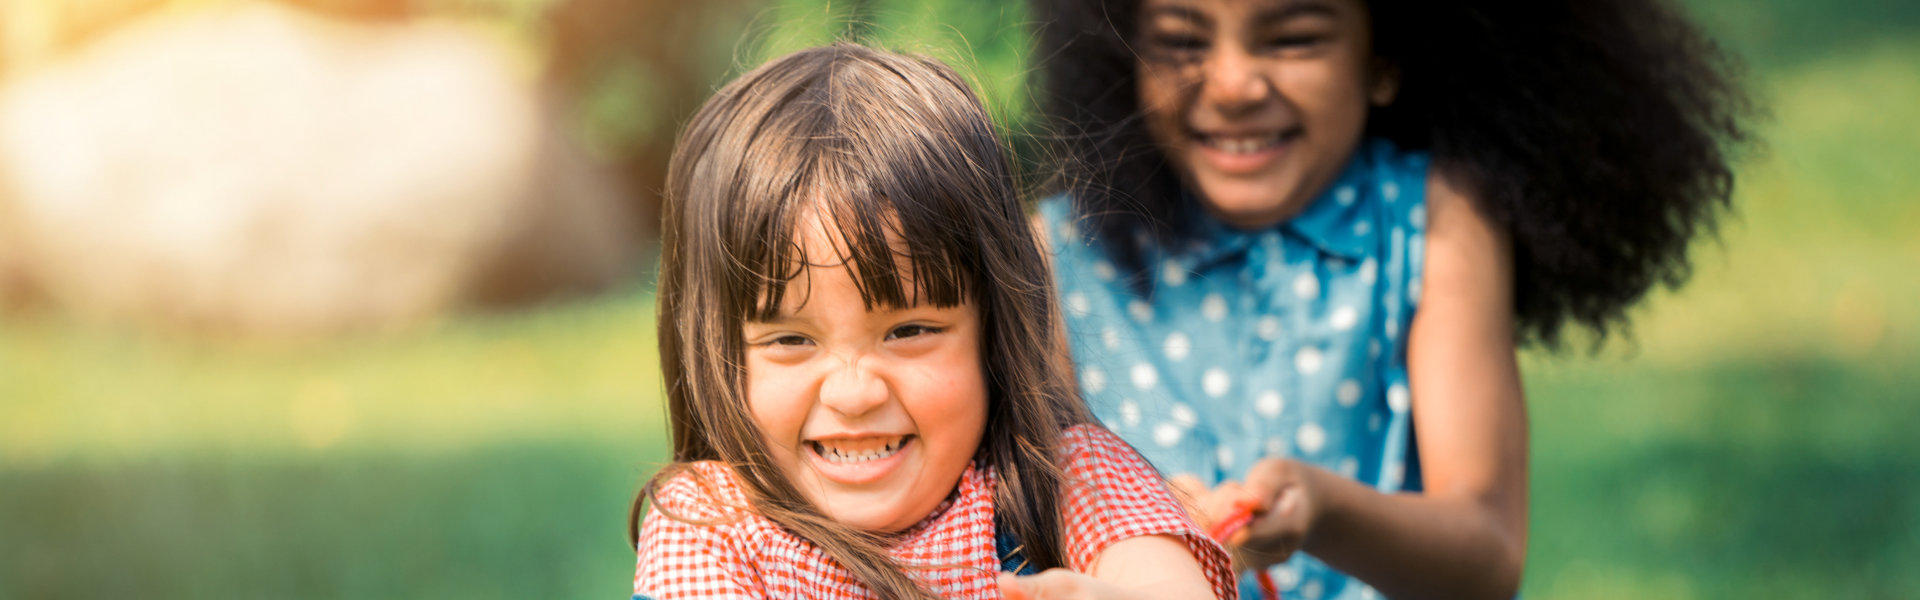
1751, 440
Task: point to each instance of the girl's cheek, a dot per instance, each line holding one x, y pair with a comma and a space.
776, 401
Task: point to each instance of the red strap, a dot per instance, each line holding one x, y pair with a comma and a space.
1224, 529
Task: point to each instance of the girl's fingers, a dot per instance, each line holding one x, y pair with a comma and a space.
1283, 515
1289, 502
1268, 478
1188, 485
1193, 495
1012, 589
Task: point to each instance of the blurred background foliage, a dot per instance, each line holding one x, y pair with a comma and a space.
1751, 440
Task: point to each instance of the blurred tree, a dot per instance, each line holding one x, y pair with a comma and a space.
632, 70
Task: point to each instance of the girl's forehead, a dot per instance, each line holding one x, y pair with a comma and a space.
822, 248
1258, 11
821, 240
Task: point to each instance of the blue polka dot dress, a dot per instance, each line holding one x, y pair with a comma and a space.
1286, 341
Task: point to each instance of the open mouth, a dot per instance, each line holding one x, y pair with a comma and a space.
1245, 144
858, 450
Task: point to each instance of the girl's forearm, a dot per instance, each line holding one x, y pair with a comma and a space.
1413, 545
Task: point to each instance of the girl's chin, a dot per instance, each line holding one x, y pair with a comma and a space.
1250, 207
873, 516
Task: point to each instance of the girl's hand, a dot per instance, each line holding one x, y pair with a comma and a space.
1285, 511
1278, 491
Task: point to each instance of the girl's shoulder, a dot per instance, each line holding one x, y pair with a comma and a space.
704, 492
699, 539
1090, 441
1113, 494
1101, 465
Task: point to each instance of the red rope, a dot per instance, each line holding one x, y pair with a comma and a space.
1225, 529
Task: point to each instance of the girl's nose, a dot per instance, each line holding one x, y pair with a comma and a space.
1232, 81
852, 389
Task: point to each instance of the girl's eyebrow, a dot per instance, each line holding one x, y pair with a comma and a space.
1293, 9
1273, 12
1186, 13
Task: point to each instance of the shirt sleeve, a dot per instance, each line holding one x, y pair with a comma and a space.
700, 557
1113, 494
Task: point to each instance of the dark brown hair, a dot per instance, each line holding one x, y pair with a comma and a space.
895, 151
1597, 133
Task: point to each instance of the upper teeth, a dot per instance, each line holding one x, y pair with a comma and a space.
838, 456
1242, 145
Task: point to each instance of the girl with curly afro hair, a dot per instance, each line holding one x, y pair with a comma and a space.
1299, 243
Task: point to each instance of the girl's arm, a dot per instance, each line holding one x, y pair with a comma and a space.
1127, 537
1145, 567
1465, 535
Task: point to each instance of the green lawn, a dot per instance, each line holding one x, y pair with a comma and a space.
1753, 440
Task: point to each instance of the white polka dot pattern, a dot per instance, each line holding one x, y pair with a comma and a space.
1348, 394
1216, 382
1103, 270
1140, 311
1177, 346
1094, 379
1306, 286
1269, 328
1343, 318
1290, 338
1397, 398
1311, 437
1078, 303
1213, 307
1144, 376
1168, 435
1174, 274
1183, 415
1269, 404
1307, 360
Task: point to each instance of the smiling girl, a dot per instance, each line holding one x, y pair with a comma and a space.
1305, 238
856, 331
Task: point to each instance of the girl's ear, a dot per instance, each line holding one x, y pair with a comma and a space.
1383, 82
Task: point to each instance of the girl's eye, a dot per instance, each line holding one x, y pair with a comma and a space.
1179, 42
1293, 42
789, 340
907, 331
1175, 47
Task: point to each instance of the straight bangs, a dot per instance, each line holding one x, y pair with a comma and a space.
895, 210
897, 258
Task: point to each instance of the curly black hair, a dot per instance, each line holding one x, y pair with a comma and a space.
1598, 133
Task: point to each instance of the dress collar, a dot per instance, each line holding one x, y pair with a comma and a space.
973, 496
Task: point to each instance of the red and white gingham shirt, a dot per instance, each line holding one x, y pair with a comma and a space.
1112, 495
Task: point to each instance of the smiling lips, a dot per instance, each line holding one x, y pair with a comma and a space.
1241, 144
854, 451
857, 460
1243, 154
